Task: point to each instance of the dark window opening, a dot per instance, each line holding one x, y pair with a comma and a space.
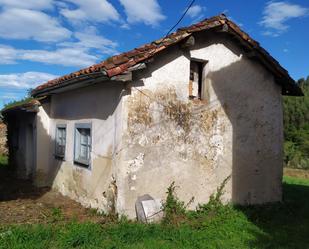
196, 79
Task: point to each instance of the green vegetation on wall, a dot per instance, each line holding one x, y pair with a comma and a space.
296, 128
22, 101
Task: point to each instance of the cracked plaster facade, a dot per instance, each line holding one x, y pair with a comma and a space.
148, 133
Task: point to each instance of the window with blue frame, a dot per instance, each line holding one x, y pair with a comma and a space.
60, 141
82, 144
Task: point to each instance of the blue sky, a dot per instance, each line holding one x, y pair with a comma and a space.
43, 39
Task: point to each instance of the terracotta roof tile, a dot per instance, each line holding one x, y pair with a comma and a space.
109, 65
119, 64
120, 59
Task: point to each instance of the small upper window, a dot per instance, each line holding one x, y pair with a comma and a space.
196, 79
82, 144
60, 141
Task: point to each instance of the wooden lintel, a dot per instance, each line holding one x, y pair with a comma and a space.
137, 67
123, 77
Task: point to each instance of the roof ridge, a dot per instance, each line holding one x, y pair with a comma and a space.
120, 63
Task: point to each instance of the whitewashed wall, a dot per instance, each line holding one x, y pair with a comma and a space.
99, 106
236, 131
147, 137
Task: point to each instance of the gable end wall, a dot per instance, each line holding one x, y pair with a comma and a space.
237, 131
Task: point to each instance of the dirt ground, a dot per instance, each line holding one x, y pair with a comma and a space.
299, 173
22, 203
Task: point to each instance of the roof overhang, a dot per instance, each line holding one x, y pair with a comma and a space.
120, 67
30, 106
87, 80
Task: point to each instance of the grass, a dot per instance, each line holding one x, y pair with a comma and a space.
286, 225
281, 225
3, 161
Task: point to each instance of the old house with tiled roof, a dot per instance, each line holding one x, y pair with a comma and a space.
195, 107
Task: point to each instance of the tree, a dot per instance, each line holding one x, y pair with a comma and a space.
296, 128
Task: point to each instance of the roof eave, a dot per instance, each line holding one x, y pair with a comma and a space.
87, 80
290, 88
68, 84
31, 107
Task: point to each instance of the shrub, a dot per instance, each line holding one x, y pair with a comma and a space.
174, 209
215, 202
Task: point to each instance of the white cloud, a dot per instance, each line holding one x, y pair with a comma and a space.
61, 5
8, 54
76, 57
8, 97
276, 14
89, 39
125, 26
195, 10
31, 24
86, 49
28, 4
270, 33
65, 56
92, 40
27, 20
90, 10
24, 80
148, 12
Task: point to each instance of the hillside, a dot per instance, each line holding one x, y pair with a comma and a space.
296, 128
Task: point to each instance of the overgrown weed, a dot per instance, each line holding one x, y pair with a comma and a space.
56, 215
215, 202
174, 210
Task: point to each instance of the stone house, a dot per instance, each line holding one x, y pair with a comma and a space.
195, 107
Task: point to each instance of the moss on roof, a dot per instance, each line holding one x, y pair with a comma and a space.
26, 102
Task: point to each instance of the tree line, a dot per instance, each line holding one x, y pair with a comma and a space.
296, 128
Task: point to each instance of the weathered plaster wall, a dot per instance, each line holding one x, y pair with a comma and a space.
145, 138
236, 131
42, 146
253, 104
100, 106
